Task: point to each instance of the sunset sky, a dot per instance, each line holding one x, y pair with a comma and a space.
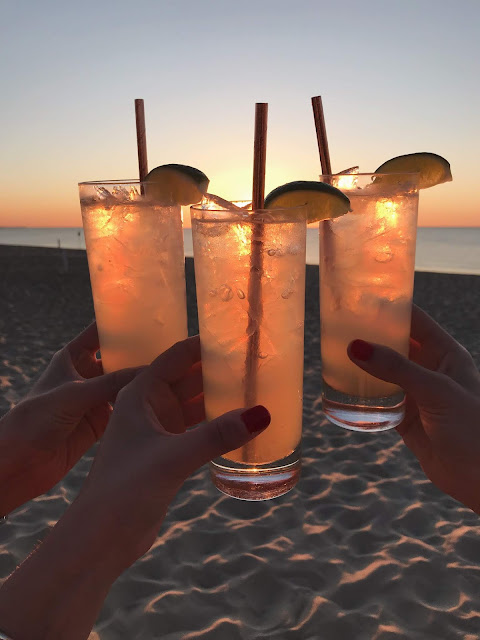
396, 76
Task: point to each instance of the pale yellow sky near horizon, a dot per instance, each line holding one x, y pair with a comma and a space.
436, 200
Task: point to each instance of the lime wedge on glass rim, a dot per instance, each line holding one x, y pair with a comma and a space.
433, 169
321, 200
174, 184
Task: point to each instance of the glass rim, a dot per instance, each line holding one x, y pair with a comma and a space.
88, 183
249, 216
371, 173
247, 210
383, 184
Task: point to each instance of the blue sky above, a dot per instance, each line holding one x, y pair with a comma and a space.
395, 76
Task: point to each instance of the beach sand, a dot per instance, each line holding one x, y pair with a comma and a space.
365, 548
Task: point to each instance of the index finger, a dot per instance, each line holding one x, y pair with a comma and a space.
87, 340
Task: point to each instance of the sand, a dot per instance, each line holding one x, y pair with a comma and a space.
365, 547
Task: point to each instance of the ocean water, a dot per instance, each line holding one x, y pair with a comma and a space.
452, 250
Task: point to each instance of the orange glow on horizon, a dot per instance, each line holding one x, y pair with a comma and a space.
446, 205
70, 217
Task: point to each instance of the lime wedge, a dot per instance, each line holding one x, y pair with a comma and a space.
433, 169
173, 184
322, 200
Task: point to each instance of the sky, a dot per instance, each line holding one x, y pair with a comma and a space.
395, 76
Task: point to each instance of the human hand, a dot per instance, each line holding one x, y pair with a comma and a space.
441, 425
146, 453
63, 415
147, 450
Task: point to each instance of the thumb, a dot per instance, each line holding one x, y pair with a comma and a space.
225, 433
81, 395
382, 362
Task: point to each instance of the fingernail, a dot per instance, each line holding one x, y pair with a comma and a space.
361, 350
256, 418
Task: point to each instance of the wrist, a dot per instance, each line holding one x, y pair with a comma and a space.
134, 513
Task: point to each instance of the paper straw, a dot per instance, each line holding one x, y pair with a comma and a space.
141, 139
255, 303
318, 116
322, 141
259, 155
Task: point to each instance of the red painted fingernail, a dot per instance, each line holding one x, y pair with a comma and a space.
361, 350
256, 418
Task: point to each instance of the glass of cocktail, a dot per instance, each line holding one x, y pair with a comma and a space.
250, 279
137, 271
367, 261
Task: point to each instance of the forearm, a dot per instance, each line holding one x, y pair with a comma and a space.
11, 466
58, 591
15, 462
22, 474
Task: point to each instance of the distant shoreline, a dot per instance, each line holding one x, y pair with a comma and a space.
437, 270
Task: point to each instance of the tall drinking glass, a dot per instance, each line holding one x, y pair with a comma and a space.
250, 277
367, 262
137, 271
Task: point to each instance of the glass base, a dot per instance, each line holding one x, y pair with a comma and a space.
256, 482
362, 414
